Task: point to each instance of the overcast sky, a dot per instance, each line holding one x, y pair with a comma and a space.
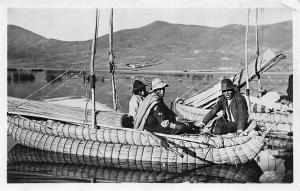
78, 24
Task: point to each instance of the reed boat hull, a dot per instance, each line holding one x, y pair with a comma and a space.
228, 155
283, 122
122, 135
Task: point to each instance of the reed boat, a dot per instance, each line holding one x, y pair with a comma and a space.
68, 130
74, 122
24, 161
55, 127
236, 154
266, 116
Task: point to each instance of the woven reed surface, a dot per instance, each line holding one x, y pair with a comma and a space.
121, 135
192, 113
280, 143
280, 127
268, 58
228, 155
211, 174
62, 113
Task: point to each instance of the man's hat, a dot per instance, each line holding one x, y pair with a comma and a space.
138, 85
227, 84
157, 83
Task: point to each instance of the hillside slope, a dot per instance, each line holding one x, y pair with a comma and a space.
172, 46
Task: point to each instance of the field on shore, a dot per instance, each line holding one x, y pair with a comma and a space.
153, 71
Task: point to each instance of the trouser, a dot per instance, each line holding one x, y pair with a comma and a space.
222, 126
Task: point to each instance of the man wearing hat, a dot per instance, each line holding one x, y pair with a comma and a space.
153, 114
138, 94
235, 111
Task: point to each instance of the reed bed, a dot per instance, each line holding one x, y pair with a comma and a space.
213, 174
122, 135
197, 114
228, 155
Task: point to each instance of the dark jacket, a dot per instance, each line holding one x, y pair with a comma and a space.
238, 107
290, 88
160, 119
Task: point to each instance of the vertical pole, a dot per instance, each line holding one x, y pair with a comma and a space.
246, 59
111, 61
92, 78
258, 62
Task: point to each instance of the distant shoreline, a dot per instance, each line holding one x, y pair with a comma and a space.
142, 71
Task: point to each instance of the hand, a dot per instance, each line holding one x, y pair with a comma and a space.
239, 133
199, 124
206, 130
179, 100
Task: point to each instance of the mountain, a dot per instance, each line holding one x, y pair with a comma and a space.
171, 46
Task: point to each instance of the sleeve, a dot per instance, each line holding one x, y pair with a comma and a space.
162, 116
133, 106
214, 110
243, 115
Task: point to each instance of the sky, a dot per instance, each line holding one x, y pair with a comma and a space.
76, 24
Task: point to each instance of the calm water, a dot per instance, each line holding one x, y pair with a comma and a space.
22, 83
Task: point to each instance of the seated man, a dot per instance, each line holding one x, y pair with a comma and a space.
235, 111
153, 114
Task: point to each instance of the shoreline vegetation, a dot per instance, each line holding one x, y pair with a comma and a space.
148, 71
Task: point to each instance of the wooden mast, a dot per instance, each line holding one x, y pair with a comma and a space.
258, 62
92, 75
111, 61
246, 59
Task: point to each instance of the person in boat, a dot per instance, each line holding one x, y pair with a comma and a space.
235, 111
153, 114
288, 99
138, 94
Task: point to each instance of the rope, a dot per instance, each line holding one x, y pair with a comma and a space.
47, 84
60, 85
198, 90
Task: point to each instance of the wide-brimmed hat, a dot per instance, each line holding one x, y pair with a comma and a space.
138, 85
157, 83
227, 84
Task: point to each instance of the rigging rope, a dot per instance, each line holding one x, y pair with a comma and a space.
60, 85
201, 90
47, 84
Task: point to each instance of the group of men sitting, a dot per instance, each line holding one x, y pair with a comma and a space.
148, 111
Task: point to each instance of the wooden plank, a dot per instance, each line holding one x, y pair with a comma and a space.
268, 58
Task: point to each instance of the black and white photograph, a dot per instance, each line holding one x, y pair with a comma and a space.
107, 93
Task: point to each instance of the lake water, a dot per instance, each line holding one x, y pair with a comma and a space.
23, 83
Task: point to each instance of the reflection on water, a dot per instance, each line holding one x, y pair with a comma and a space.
24, 161
20, 77
53, 76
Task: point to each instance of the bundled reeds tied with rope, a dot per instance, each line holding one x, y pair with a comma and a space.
268, 58
115, 134
197, 114
227, 155
74, 115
